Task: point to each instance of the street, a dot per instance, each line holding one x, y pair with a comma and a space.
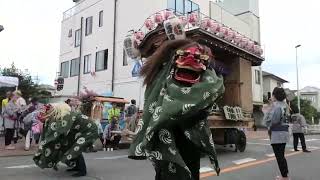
257, 162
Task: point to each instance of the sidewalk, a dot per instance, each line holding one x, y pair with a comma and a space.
19, 151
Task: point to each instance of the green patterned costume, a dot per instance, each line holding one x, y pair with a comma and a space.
174, 124
65, 139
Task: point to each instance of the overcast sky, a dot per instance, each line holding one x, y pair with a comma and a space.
32, 37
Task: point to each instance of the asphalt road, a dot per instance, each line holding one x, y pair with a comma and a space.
256, 162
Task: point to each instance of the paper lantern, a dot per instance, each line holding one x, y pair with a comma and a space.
168, 14
174, 28
158, 18
205, 23
149, 24
215, 27
193, 18
131, 46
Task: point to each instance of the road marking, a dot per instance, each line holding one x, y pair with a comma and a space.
112, 157
309, 140
22, 166
237, 167
265, 139
264, 144
270, 155
206, 169
243, 161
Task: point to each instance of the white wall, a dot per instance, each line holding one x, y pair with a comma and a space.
100, 39
240, 6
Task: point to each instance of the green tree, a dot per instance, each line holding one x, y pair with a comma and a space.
26, 85
307, 110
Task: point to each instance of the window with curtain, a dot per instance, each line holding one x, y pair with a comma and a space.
87, 64
102, 60
64, 69
89, 25
100, 18
74, 69
257, 77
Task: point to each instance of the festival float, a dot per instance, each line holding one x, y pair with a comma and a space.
234, 55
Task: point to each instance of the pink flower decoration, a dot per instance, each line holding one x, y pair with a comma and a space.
158, 18
184, 20
250, 45
139, 35
244, 42
193, 18
168, 14
206, 23
149, 24
215, 26
238, 38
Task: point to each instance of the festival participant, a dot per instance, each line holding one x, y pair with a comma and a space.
111, 139
180, 90
278, 129
66, 135
10, 117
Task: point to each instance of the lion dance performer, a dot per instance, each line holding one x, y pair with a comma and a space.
66, 135
180, 90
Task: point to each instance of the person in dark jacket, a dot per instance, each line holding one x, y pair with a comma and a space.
298, 124
278, 128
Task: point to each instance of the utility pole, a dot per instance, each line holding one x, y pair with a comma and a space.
297, 69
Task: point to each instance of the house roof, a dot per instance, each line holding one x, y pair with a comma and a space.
267, 74
310, 89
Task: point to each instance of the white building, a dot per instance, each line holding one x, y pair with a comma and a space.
99, 48
271, 81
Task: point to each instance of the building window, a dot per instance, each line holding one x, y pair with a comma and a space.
88, 25
100, 18
87, 64
70, 33
77, 38
257, 77
102, 60
125, 59
64, 69
183, 6
74, 68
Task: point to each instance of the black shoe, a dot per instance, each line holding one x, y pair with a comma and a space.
306, 151
79, 174
296, 150
72, 169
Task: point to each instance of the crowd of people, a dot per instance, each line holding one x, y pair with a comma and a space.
21, 122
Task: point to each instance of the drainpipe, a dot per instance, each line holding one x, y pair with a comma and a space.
80, 54
114, 42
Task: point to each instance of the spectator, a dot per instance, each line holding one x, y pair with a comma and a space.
278, 129
111, 138
114, 112
298, 124
6, 101
131, 111
10, 116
